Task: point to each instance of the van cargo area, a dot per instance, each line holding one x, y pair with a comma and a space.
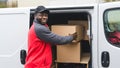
78, 55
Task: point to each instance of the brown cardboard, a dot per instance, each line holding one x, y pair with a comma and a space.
82, 23
65, 30
85, 58
69, 53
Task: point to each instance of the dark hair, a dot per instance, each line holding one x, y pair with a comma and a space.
41, 9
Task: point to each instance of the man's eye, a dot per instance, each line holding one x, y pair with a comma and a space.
40, 15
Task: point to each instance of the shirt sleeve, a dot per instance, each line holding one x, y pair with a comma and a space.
45, 34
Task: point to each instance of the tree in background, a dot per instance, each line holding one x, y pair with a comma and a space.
8, 3
3, 3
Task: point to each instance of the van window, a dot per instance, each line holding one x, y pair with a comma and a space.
112, 26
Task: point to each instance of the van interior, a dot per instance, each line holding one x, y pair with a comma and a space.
62, 17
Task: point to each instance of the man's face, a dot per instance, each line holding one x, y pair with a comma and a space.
42, 17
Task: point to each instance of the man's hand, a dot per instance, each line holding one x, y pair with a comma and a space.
74, 35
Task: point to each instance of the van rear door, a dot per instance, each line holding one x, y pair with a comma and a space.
14, 25
109, 35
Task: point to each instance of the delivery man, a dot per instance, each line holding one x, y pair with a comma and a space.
40, 39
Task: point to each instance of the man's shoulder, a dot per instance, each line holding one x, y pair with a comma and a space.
41, 27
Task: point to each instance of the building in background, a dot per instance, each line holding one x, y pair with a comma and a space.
12, 3
34, 3
31, 3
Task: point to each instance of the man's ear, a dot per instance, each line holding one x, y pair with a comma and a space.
34, 16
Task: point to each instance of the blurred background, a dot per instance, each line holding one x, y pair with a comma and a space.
33, 3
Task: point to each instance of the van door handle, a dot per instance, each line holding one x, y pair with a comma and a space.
22, 56
105, 59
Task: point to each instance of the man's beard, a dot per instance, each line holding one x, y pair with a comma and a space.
38, 20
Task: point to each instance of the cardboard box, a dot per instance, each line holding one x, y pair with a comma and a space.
82, 23
65, 30
69, 53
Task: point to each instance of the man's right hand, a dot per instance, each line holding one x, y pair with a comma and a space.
74, 35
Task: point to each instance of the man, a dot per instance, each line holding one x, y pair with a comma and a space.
40, 39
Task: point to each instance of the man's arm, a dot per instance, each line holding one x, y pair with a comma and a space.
45, 34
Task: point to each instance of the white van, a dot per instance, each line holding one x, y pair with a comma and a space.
102, 20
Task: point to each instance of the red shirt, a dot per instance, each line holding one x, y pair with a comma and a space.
39, 52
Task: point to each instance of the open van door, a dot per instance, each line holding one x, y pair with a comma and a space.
14, 25
109, 35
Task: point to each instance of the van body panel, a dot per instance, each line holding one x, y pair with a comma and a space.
14, 27
103, 44
93, 36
